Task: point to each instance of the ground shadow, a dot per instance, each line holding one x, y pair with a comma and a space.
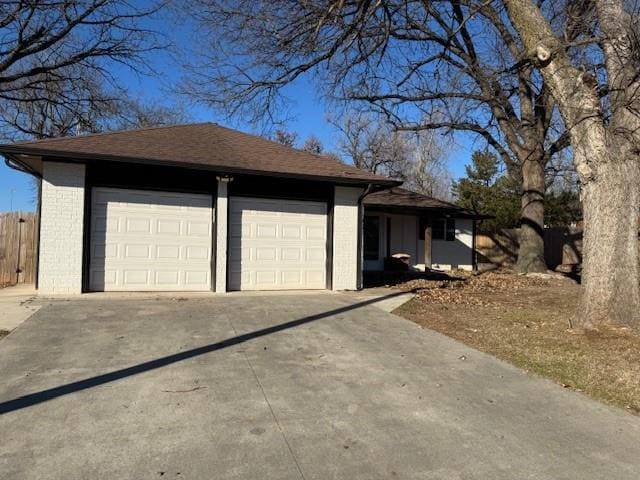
55, 392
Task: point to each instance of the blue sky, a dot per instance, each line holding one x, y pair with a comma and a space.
308, 117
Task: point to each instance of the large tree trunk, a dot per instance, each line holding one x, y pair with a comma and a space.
605, 155
531, 249
611, 265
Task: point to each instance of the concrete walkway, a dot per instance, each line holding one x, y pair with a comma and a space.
17, 303
283, 387
385, 298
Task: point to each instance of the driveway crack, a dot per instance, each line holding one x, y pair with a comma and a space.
273, 413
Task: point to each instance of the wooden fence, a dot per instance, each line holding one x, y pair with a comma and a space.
562, 246
18, 248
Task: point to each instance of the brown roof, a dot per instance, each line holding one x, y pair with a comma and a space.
203, 145
402, 199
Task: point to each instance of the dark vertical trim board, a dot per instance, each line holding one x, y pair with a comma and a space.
86, 230
388, 219
39, 224
214, 236
474, 253
329, 247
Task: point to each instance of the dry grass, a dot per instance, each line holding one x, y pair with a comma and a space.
526, 321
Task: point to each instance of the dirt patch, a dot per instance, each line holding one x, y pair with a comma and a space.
525, 320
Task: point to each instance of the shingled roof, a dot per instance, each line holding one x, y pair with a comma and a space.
202, 145
404, 200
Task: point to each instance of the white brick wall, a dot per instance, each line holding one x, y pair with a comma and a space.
61, 228
345, 238
222, 205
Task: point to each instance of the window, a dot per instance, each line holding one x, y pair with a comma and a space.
439, 228
371, 233
451, 230
444, 229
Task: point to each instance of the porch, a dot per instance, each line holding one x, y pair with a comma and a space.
429, 233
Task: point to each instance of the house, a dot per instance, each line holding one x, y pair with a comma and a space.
397, 222
201, 207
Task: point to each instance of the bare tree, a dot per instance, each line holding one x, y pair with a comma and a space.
417, 158
56, 59
373, 145
285, 137
132, 113
313, 145
430, 175
82, 107
593, 75
446, 65
64, 105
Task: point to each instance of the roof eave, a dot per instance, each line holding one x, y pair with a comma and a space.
15, 163
9, 151
422, 209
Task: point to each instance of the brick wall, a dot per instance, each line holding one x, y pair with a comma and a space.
61, 230
346, 274
221, 229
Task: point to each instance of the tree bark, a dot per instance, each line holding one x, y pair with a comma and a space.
605, 156
611, 265
531, 249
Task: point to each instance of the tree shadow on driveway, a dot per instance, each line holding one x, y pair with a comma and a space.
55, 392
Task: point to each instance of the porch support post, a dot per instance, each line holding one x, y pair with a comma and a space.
427, 243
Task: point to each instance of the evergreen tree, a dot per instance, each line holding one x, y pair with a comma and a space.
487, 191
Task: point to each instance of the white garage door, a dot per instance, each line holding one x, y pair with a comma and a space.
277, 244
150, 241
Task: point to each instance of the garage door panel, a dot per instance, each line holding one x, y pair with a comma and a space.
315, 277
291, 254
162, 244
138, 225
315, 254
266, 253
169, 227
196, 277
292, 277
168, 278
265, 232
137, 251
316, 233
292, 232
266, 278
197, 253
167, 252
136, 277
277, 244
199, 229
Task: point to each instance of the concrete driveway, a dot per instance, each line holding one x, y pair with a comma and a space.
283, 387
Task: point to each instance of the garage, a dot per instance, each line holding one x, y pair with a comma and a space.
277, 244
150, 241
193, 207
